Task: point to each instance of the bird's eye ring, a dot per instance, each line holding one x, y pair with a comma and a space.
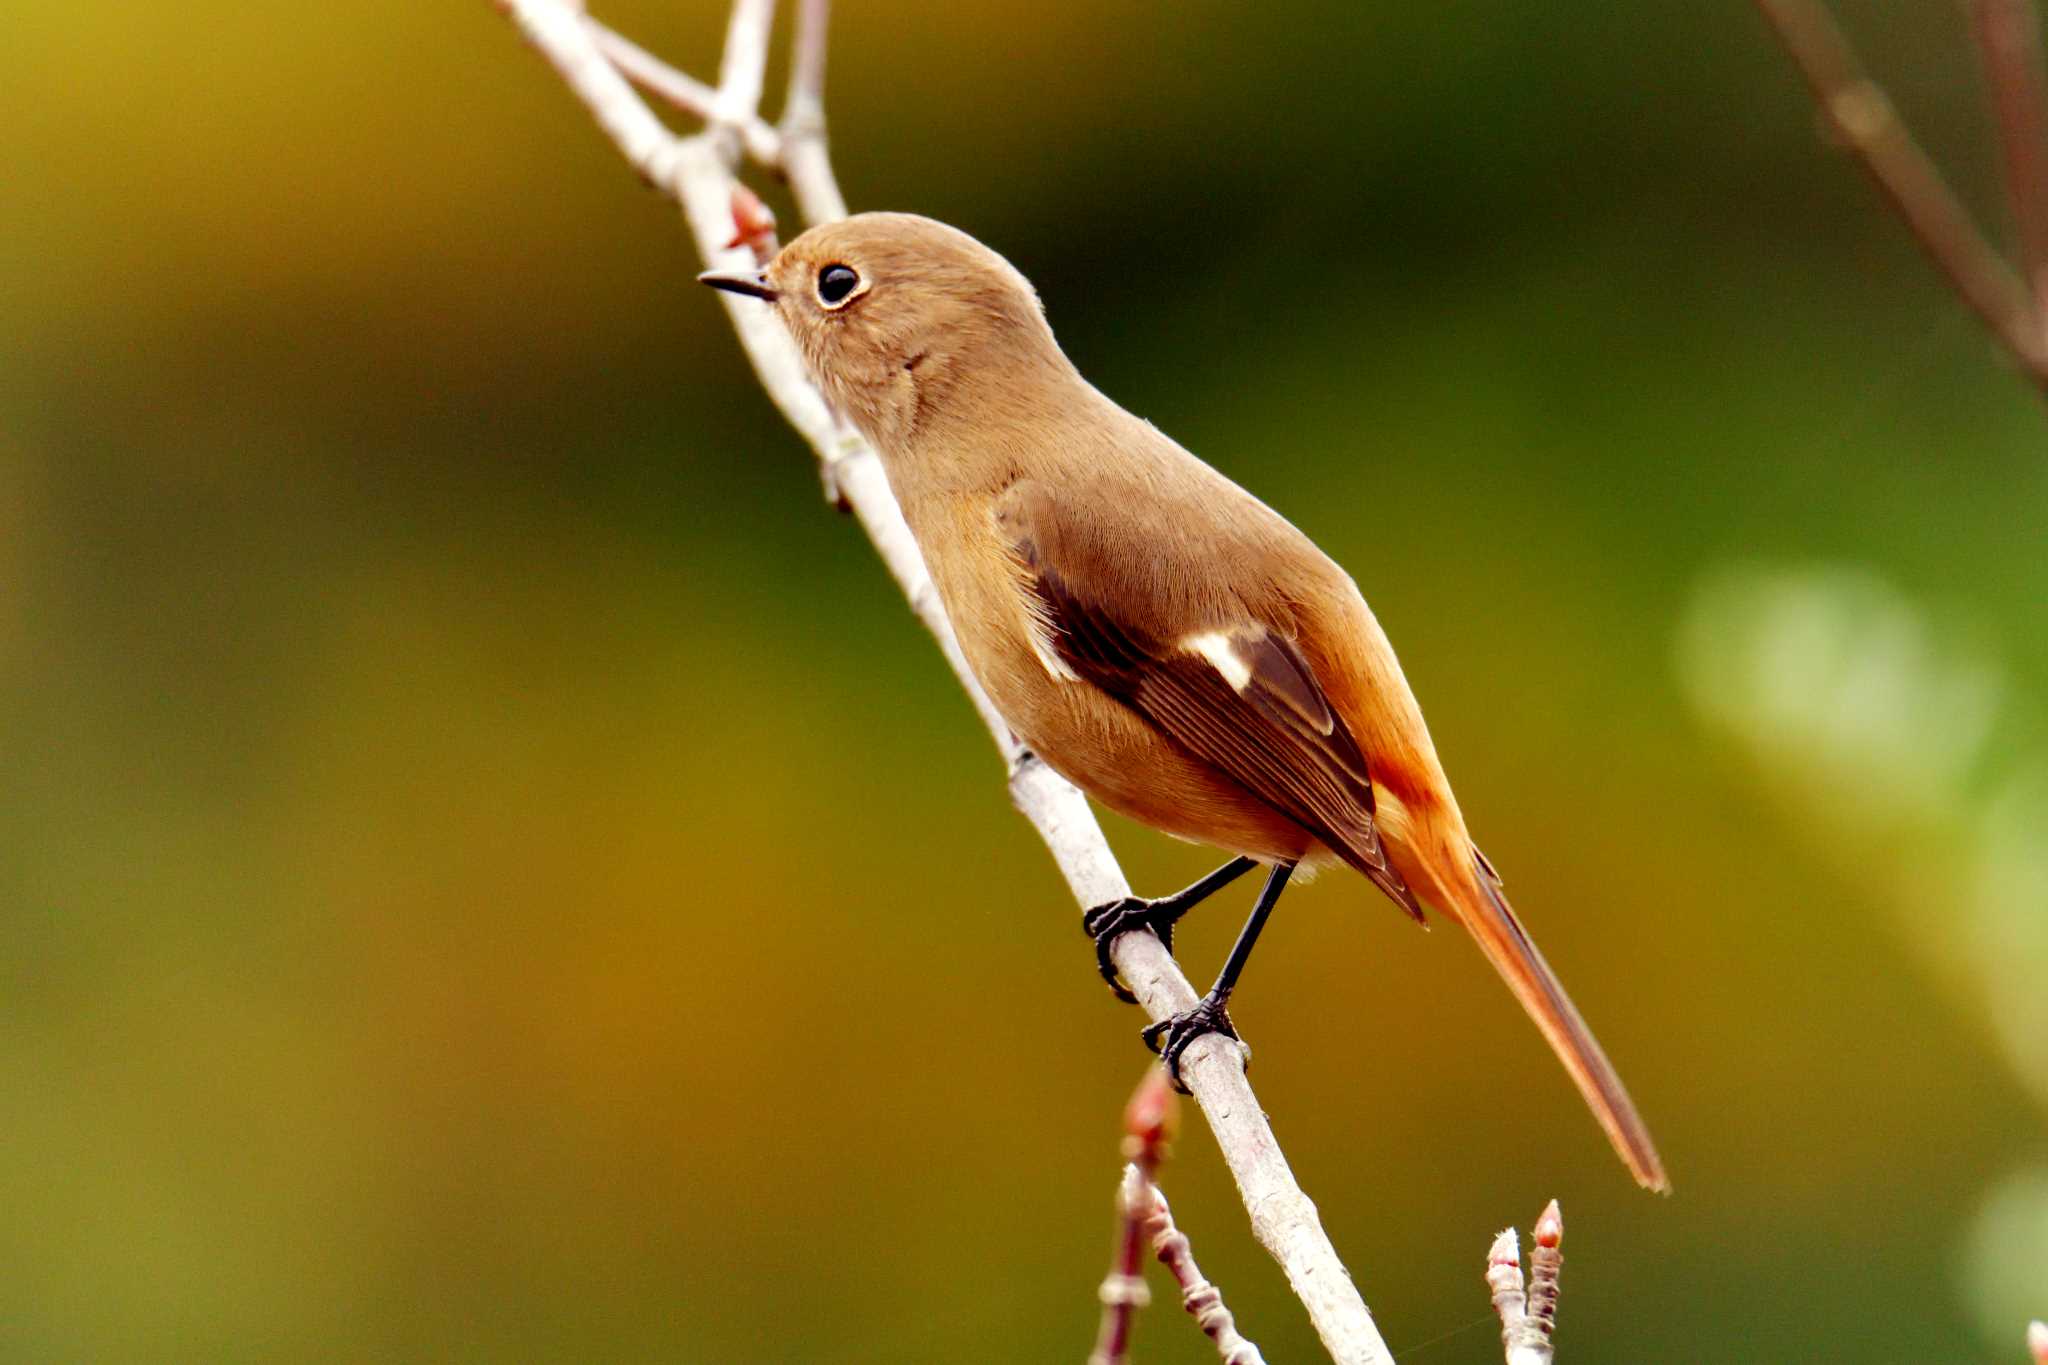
836, 284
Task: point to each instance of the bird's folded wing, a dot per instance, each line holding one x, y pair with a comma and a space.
1236, 694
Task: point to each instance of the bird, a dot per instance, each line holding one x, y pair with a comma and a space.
1148, 628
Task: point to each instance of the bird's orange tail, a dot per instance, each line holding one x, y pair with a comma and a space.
1491, 920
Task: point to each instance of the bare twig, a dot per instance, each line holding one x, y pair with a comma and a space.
698, 171
744, 66
2009, 37
686, 93
1527, 1321
1150, 1121
1123, 1290
1546, 1260
1861, 113
805, 159
1202, 1300
1504, 1280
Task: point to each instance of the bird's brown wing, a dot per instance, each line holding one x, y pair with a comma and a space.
1238, 696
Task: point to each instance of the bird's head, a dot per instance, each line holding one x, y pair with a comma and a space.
897, 315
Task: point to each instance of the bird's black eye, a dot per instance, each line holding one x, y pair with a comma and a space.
836, 283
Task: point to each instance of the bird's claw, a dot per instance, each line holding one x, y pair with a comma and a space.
1110, 921
1171, 1036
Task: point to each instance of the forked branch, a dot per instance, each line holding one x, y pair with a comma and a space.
1528, 1311
699, 173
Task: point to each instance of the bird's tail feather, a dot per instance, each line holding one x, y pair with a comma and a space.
1491, 920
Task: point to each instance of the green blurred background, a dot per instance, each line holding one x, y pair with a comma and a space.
492, 871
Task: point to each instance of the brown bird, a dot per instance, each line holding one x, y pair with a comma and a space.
1159, 636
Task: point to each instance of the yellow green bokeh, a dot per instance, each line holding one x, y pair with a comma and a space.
489, 869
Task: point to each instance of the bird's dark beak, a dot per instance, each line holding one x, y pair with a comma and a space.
753, 283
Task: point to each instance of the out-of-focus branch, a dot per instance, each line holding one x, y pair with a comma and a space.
1202, 1300
804, 158
1123, 1290
1860, 112
699, 172
686, 93
2009, 36
744, 67
1528, 1315
1150, 1122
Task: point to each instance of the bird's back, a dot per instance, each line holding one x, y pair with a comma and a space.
1124, 514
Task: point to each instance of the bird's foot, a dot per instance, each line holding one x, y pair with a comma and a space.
1108, 922
1170, 1037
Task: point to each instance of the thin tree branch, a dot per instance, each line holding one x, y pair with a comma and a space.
1509, 1291
1202, 1300
686, 93
1150, 1122
744, 66
1546, 1260
560, 33
2009, 36
1861, 113
698, 171
1123, 1290
805, 159
1528, 1320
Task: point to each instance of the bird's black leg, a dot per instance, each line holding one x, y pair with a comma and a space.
1106, 923
1170, 1037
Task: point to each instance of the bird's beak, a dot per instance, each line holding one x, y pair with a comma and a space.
752, 283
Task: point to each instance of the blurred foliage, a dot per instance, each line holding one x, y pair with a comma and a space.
1878, 727
492, 871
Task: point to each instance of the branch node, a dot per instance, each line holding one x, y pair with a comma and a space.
1124, 1291
1862, 112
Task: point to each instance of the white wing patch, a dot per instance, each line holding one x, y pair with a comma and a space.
1041, 644
1222, 656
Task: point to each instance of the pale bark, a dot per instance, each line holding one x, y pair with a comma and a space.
699, 172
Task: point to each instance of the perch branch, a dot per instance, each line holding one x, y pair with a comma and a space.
1860, 112
698, 171
1528, 1320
